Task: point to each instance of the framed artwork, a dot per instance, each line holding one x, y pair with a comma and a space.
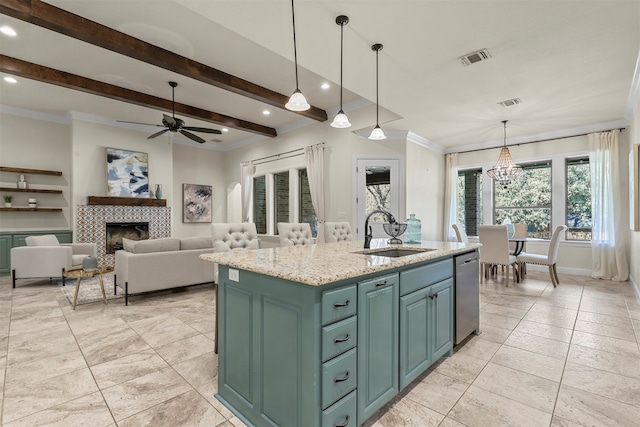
196, 203
634, 188
127, 173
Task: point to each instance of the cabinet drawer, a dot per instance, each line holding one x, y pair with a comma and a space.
339, 337
339, 377
339, 304
342, 413
417, 278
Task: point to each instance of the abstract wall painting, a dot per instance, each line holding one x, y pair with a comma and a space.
127, 173
197, 203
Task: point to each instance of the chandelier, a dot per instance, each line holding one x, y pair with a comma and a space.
505, 170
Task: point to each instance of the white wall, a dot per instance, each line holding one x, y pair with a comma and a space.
634, 236
36, 144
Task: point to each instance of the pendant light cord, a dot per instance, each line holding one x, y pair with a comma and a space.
377, 103
295, 51
504, 123
341, 60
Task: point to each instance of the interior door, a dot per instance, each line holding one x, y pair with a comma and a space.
378, 187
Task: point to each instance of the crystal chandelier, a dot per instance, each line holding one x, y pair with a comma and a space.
505, 170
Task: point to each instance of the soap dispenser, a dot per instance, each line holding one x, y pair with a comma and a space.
414, 230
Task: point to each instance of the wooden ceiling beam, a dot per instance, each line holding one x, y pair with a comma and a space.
44, 74
61, 21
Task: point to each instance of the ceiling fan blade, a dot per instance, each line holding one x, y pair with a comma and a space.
158, 133
196, 138
138, 123
203, 130
170, 120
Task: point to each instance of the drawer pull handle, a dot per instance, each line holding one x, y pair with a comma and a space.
341, 304
470, 260
337, 340
344, 424
339, 380
381, 284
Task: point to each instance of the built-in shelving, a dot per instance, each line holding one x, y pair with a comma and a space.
29, 190
33, 171
12, 209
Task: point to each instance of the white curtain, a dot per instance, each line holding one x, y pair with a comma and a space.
315, 173
450, 197
246, 181
607, 235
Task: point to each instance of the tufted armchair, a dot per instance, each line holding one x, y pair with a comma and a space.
295, 234
337, 232
45, 257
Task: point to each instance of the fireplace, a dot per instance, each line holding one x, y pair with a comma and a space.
128, 230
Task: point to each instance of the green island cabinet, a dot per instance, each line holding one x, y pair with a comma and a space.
292, 354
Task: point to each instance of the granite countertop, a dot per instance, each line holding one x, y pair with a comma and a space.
320, 264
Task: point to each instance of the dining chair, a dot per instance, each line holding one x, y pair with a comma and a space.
495, 250
295, 234
550, 259
337, 232
520, 232
461, 234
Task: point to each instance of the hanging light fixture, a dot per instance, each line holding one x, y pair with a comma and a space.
377, 133
341, 121
297, 102
505, 170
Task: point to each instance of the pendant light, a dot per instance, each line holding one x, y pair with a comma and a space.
297, 102
341, 121
505, 170
377, 133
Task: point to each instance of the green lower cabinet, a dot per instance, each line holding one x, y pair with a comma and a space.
377, 344
5, 258
426, 329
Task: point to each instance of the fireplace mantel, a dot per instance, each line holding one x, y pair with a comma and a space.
125, 201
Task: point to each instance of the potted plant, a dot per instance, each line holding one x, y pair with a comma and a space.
7, 201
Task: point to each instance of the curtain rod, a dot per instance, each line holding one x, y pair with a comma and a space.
533, 142
279, 155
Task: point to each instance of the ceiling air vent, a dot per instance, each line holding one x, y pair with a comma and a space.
510, 102
473, 57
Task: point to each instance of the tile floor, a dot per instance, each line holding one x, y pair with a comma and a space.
567, 356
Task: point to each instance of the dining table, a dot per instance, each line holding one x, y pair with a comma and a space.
520, 242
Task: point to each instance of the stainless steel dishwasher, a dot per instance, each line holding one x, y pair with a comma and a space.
467, 303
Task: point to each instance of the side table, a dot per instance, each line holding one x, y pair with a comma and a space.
79, 274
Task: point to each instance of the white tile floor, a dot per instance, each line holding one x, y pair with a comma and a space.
567, 356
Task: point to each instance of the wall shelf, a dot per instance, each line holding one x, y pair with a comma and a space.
33, 171
29, 190
12, 209
125, 201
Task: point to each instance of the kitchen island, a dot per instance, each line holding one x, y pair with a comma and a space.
325, 335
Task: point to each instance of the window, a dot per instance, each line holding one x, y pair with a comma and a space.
470, 200
578, 199
527, 200
307, 213
260, 204
281, 200
378, 191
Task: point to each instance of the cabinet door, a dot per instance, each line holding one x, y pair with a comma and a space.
414, 333
5, 255
377, 344
441, 318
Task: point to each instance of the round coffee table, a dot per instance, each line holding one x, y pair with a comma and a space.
79, 274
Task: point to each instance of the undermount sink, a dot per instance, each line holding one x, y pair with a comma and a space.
394, 253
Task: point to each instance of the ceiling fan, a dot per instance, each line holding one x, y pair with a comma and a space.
173, 124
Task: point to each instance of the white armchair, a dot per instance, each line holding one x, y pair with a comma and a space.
337, 232
295, 234
45, 257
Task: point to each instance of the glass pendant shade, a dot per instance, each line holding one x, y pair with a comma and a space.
297, 102
377, 134
340, 121
505, 170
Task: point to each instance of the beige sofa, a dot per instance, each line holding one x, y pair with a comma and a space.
157, 264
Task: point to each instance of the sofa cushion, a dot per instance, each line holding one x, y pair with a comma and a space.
187, 243
45, 240
164, 244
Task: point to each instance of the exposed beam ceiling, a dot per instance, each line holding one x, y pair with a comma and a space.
55, 19
72, 81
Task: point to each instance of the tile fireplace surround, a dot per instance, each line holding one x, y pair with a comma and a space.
93, 219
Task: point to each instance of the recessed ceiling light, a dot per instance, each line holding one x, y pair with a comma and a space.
10, 80
8, 31
325, 86
225, 130
266, 112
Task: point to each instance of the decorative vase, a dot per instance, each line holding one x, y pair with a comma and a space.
22, 183
158, 191
89, 264
414, 230
32, 203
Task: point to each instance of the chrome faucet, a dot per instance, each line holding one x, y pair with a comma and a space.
367, 228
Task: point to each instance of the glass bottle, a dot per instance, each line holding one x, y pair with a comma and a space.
414, 230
